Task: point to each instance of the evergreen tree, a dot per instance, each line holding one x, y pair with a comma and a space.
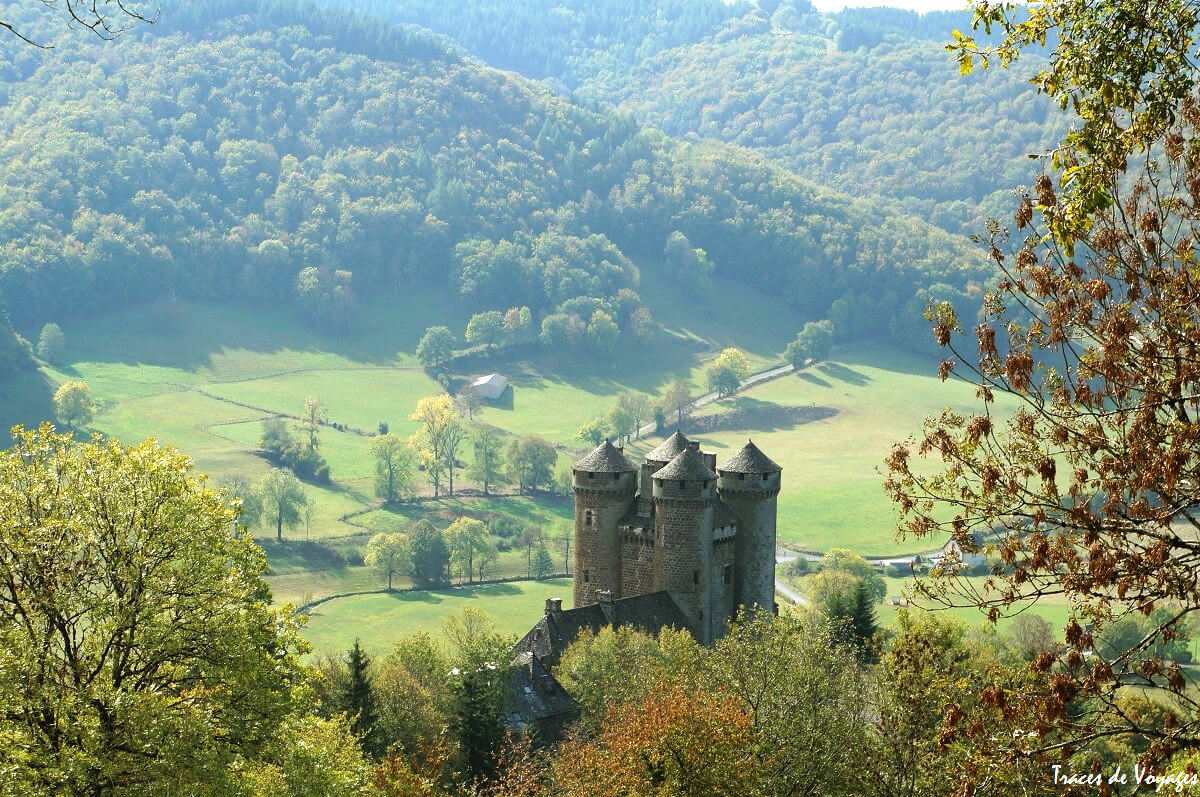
862, 618
543, 565
480, 695
838, 611
358, 702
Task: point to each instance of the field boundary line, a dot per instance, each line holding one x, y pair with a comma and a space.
315, 369
337, 427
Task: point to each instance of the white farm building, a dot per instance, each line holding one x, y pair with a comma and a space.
490, 386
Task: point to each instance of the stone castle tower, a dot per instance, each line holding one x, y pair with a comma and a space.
679, 524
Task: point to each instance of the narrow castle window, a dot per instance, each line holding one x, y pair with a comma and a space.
695, 576
588, 517
764, 477
727, 574
585, 576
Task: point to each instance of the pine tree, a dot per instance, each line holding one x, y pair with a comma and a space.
480, 695
862, 618
838, 612
358, 701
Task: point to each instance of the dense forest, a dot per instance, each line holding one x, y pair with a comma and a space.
220, 160
865, 100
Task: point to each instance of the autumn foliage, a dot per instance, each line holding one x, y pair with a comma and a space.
1081, 468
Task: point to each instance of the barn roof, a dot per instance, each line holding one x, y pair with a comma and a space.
490, 379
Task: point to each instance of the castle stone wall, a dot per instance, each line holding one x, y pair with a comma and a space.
637, 562
683, 521
754, 501
722, 599
600, 502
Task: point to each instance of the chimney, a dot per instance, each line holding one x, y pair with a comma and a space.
605, 599
553, 605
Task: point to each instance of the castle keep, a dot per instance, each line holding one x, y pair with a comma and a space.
679, 523
676, 542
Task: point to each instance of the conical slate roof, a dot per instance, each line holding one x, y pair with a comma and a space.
669, 449
688, 465
749, 460
606, 458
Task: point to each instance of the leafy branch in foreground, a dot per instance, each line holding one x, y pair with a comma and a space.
1087, 492
1122, 67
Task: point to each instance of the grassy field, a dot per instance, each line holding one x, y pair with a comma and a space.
378, 620
833, 494
202, 377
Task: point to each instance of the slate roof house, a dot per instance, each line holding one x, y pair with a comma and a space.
675, 542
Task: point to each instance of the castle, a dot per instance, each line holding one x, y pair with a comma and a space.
679, 523
678, 542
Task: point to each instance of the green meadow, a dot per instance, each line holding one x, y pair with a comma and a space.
378, 620
202, 377
875, 395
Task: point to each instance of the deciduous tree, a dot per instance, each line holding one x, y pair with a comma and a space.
1087, 479
467, 540
602, 333
594, 431
431, 556
487, 468
283, 498
486, 328
813, 342
678, 399
438, 438
436, 346
638, 406
52, 344
242, 491
531, 460
395, 468
139, 650
73, 403
727, 372
390, 554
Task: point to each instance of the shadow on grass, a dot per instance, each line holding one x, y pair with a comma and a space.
814, 379
745, 413
883, 354
839, 371
292, 556
26, 398
534, 509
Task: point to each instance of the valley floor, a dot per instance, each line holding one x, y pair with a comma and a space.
203, 380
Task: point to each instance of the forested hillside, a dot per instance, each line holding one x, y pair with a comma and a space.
221, 161
866, 100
